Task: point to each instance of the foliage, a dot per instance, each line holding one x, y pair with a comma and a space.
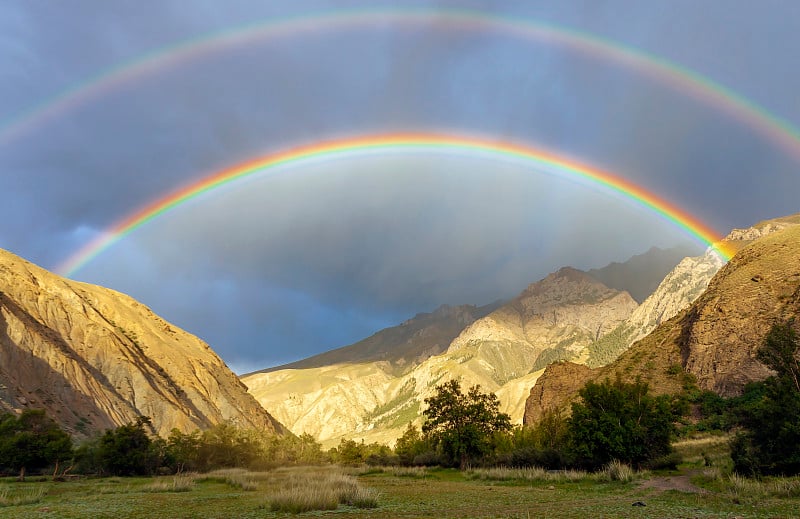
128, 450
410, 445
32, 441
770, 441
352, 453
462, 426
619, 421
225, 445
542, 444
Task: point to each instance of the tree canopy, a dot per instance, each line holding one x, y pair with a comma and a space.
32, 441
462, 425
620, 421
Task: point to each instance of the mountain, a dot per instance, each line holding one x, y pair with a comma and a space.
679, 288
504, 351
400, 347
716, 337
643, 273
95, 359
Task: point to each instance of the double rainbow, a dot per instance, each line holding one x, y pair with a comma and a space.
778, 131
540, 162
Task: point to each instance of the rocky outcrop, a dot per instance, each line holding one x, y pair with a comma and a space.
641, 275
94, 359
685, 283
716, 338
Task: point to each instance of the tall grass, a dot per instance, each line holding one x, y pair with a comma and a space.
176, 483
615, 470
392, 470
235, 478
22, 495
747, 490
527, 474
321, 491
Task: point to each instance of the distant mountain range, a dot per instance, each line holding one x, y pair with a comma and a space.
374, 388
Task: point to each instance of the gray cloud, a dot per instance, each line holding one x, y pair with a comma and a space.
312, 258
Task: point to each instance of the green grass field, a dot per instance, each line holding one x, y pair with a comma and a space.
694, 491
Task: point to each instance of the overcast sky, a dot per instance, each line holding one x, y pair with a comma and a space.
96, 121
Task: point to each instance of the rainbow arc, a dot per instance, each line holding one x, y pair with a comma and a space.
540, 161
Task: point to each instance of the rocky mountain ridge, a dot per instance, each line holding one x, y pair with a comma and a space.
557, 317
94, 359
716, 337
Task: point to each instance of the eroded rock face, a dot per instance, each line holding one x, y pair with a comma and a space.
679, 288
94, 358
716, 338
727, 325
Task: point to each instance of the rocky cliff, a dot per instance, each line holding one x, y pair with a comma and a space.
715, 339
94, 359
677, 291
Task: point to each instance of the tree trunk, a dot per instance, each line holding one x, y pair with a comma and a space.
22, 474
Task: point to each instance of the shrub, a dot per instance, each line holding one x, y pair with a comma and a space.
667, 462
620, 421
615, 470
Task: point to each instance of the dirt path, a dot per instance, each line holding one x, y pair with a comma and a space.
680, 483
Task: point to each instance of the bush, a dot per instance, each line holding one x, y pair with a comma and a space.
128, 450
619, 421
770, 442
667, 462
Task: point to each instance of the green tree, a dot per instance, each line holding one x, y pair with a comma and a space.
128, 450
183, 450
410, 445
622, 421
770, 441
32, 441
460, 425
225, 445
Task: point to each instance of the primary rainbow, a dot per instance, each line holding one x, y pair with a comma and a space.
776, 130
542, 161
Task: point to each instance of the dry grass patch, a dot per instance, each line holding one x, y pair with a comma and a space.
21, 495
615, 470
236, 478
528, 474
304, 492
176, 483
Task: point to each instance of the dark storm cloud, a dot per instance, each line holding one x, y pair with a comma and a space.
322, 256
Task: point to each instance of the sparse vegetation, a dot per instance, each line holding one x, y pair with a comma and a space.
321, 491
17, 495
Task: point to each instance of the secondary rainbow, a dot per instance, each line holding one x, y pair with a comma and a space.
539, 160
778, 131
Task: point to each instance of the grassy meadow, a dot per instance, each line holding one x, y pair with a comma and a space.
702, 487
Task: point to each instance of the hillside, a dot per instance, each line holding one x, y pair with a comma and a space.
716, 337
94, 359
